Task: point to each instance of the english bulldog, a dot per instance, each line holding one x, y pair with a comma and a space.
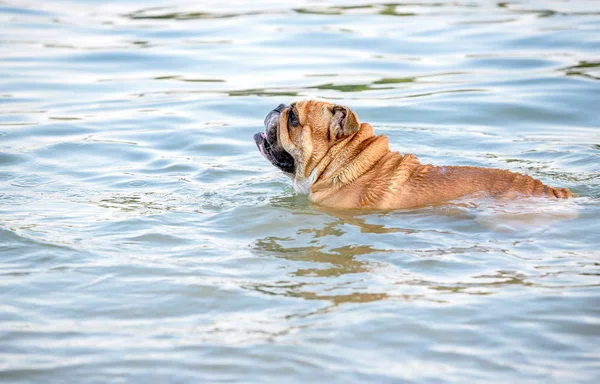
340, 163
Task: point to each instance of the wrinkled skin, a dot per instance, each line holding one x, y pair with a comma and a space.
339, 162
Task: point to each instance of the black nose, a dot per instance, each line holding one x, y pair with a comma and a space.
280, 108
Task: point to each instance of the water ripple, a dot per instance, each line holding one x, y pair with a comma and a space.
143, 237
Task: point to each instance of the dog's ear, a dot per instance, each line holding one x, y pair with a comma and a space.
343, 122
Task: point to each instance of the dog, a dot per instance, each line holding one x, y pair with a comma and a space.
340, 163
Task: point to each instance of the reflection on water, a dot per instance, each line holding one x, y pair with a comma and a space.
159, 13
323, 271
138, 220
590, 70
326, 275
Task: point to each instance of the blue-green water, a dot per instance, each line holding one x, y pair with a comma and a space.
143, 238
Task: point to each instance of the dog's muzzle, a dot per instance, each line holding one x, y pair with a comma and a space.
268, 144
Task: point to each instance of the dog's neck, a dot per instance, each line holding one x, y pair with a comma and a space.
346, 161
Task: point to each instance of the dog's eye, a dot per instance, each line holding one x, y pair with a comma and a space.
293, 118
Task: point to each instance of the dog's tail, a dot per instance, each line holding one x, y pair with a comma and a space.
529, 186
561, 193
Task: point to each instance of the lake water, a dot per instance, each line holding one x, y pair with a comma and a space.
143, 238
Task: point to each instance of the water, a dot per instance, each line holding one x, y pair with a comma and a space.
143, 237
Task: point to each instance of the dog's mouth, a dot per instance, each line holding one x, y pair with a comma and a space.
278, 157
268, 143
263, 146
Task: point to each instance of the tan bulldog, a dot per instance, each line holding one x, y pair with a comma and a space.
340, 163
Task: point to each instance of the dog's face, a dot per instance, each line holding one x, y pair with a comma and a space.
298, 136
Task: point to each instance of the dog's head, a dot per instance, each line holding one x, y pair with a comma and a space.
299, 135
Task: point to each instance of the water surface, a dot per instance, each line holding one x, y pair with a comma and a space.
144, 238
